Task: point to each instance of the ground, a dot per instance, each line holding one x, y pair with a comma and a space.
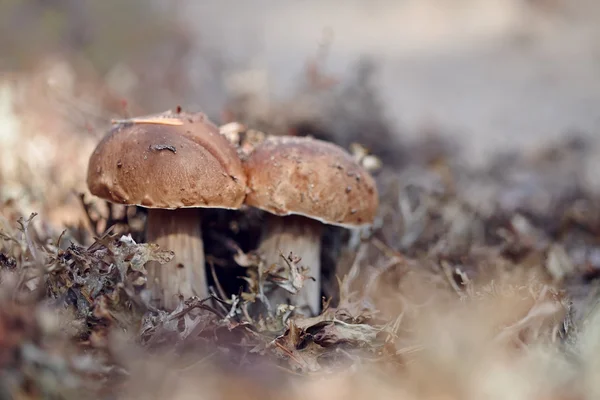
477, 280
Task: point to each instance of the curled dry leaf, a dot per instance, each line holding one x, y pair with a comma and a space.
291, 278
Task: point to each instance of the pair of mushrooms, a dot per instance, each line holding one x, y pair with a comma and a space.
176, 163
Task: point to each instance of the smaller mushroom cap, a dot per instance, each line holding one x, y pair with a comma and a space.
313, 178
169, 160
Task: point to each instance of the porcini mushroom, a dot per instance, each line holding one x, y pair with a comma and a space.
173, 164
303, 183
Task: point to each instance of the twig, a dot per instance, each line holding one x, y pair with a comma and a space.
213, 272
200, 361
353, 272
387, 250
59, 239
86, 209
196, 304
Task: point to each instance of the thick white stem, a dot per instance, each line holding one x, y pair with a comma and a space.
179, 231
302, 237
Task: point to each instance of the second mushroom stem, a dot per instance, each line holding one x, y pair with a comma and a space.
179, 231
302, 237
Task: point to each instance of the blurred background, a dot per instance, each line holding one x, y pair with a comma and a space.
484, 113
485, 75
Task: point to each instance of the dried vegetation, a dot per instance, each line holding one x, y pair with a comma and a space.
472, 284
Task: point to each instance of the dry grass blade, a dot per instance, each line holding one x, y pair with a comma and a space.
156, 121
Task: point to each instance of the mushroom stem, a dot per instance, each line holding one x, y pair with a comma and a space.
302, 237
179, 231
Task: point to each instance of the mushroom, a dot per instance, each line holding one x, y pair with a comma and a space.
173, 164
304, 183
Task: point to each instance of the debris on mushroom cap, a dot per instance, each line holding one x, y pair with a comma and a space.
232, 131
160, 120
144, 162
251, 139
362, 157
313, 178
242, 138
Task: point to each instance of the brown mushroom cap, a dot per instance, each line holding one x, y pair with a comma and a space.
180, 162
312, 178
